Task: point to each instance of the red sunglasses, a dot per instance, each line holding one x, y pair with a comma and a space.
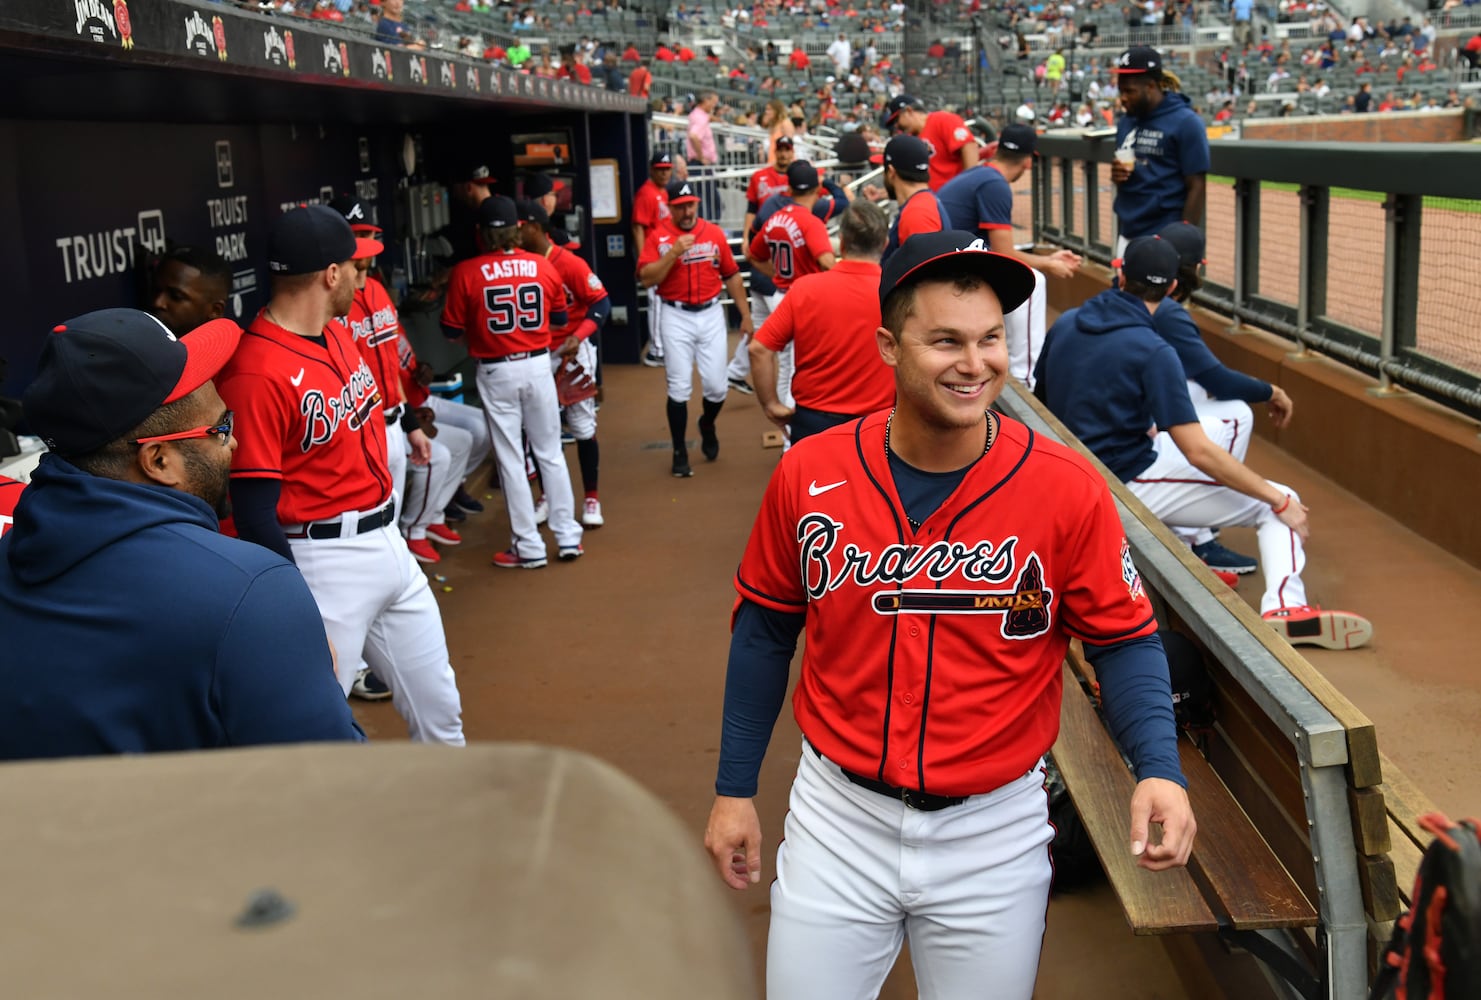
221, 430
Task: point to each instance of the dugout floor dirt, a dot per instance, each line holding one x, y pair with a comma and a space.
622, 653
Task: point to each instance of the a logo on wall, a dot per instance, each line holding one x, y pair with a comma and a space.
449, 78
86, 256
344, 58
224, 175
418, 69
473, 81
380, 64
242, 283
199, 38
364, 144
104, 21
288, 48
218, 32
496, 82
274, 47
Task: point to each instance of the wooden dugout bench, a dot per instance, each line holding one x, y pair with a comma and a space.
1307, 837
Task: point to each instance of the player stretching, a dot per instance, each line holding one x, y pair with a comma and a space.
940, 557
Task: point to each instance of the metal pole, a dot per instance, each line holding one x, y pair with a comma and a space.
1390, 289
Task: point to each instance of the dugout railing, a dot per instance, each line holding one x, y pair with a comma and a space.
1361, 252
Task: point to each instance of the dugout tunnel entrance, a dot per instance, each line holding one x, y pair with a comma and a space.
132, 128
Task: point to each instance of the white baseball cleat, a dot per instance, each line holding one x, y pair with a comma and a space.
591, 515
542, 510
1308, 626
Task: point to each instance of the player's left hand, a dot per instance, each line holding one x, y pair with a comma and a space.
1280, 406
1157, 800
568, 349
746, 328
733, 838
421, 447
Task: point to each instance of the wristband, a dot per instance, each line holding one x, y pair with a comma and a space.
1282, 508
409, 421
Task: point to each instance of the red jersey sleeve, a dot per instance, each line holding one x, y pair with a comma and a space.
758, 248
555, 290
777, 332
753, 189
1102, 597
816, 234
728, 266
263, 417
455, 303
949, 132
768, 573
650, 251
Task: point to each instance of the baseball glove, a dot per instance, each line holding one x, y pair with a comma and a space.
573, 384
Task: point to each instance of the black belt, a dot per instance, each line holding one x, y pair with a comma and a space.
690, 307
392, 416
516, 356
922, 801
322, 530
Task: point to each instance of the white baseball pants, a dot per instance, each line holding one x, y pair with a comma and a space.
655, 323
581, 418
1024, 328
1228, 424
519, 402
858, 873
694, 340
466, 418
430, 487
374, 599
397, 449
740, 361
1184, 497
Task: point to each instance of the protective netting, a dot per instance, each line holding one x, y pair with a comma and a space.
1449, 295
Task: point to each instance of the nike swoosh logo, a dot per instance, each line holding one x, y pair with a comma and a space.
297, 378
814, 490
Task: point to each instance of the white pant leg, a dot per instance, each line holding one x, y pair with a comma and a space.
430, 487
709, 353
466, 418
740, 362
499, 391
1228, 424
857, 871
396, 451
1024, 329
1182, 496
680, 332
542, 423
655, 322
416, 509
581, 418
1121, 242
786, 367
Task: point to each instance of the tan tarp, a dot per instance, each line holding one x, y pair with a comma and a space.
502, 870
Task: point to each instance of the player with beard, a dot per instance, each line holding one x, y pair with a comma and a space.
120, 520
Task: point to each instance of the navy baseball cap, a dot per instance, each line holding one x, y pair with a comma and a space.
1140, 59
498, 212
539, 185
311, 237
892, 110
101, 374
1018, 139
680, 192
951, 250
910, 157
802, 176
661, 160
1150, 260
1187, 239
355, 213
530, 210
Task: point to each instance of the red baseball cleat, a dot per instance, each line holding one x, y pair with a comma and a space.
422, 550
443, 535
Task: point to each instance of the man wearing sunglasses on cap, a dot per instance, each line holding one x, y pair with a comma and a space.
118, 535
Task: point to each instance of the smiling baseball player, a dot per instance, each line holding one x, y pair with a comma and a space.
940, 557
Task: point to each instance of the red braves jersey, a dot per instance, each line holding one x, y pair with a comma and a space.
945, 133
933, 655
793, 239
582, 287
700, 274
764, 183
416, 393
376, 328
505, 302
310, 415
650, 205
10, 493
919, 214
831, 318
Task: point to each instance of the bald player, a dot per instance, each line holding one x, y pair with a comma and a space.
953, 147
907, 172
310, 478
651, 209
190, 286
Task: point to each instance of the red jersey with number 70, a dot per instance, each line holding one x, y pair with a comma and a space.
933, 655
309, 414
699, 275
505, 302
793, 239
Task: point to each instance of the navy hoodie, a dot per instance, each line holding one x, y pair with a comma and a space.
1170, 144
129, 624
1108, 375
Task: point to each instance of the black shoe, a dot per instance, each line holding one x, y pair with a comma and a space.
466, 502
741, 385
681, 464
454, 514
709, 443
369, 687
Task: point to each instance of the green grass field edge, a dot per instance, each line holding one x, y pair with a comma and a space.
1453, 204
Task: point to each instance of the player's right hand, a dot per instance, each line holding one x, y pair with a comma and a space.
1058, 265
733, 838
1119, 172
779, 414
683, 243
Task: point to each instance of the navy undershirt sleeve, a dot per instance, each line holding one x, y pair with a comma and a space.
762, 644
1137, 697
452, 332
254, 508
1226, 383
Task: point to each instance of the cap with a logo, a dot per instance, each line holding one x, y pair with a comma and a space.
681, 192
530, 210
540, 185
910, 157
801, 177
355, 214
1140, 59
497, 212
1150, 260
479, 174
1187, 239
101, 374
784, 142
1019, 139
661, 160
311, 237
948, 251
892, 110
